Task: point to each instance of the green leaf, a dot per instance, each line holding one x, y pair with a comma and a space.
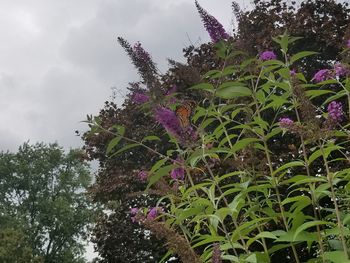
151, 138
288, 165
336, 257
243, 143
315, 93
302, 236
208, 239
230, 258
159, 174
338, 95
303, 179
113, 143
301, 54
119, 129
230, 90
306, 226
327, 151
204, 86
213, 74
125, 148
346, 220
157, 165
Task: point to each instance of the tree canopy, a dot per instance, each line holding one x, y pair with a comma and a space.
45, 214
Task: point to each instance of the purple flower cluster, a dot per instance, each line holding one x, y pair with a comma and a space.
179, 172
293, 72
140, 98
212, 25
348, 43
140, 53
142, 175
141, 60
133, 212
168, 119
335, 111
138, 216
216, 257
340, 70
267, 55
322, 75
169, 92
154, 212
286, 123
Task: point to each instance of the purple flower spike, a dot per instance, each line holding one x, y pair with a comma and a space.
335, 111
140, 53
168, 119
286, 123
212, 25
143, 175
179, 172
340, 70
216, 258
171, 91
348, 44
267, 55
322, 75
140, 98
153, 213
134, 211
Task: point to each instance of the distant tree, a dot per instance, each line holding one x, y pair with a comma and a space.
14, 247
43, 205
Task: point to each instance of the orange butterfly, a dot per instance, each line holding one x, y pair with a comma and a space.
184, 112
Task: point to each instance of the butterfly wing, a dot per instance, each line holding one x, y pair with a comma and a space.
183, 112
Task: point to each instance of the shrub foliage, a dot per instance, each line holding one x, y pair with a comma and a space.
258, 170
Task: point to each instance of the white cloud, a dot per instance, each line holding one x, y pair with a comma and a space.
58, 59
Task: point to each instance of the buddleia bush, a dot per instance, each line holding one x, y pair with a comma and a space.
257, 171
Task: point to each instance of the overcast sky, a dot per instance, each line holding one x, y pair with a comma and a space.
60, 58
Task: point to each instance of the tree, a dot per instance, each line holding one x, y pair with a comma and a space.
44, 203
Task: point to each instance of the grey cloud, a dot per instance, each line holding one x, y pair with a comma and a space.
58, 63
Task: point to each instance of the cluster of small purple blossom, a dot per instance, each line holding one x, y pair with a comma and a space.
140, 98
171, 123
335, 114
339, 70
137, 214
267, 55
335, 111
286, 123
178, 173
212, 25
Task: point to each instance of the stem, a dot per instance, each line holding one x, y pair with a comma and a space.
249, 201
279, 197
259, 229
336, 208
313, 198
275, 183
227, 204
347, 94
